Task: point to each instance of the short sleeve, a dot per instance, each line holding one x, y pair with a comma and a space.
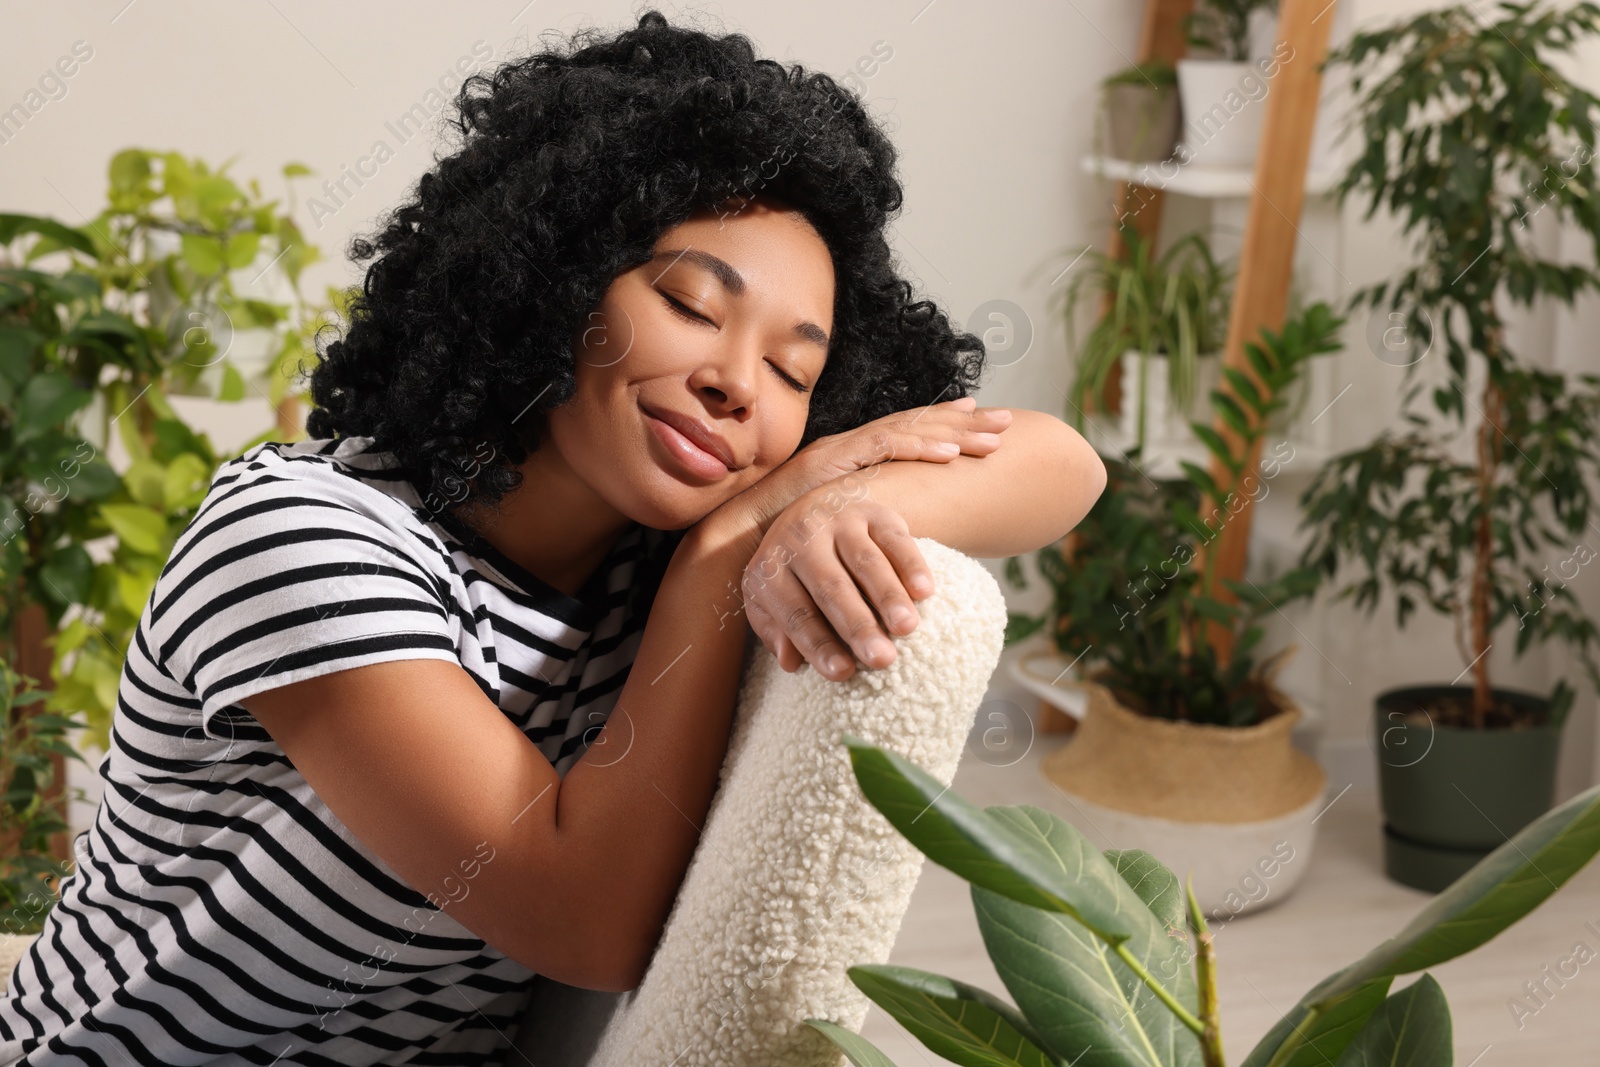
278, 580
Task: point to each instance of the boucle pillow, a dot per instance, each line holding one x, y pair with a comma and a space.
796, 876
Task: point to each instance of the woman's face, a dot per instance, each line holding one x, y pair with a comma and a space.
740, 357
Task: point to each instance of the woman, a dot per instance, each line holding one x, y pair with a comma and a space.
435, 700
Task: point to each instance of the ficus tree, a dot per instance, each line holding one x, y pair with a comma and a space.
1470, 132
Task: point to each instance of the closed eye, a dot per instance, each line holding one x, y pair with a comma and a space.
682, 311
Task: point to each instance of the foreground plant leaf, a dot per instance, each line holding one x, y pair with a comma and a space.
1156, 885
960, 1022
986, 851
1085, 1001
1410, 1029
1503, 887
862, 1053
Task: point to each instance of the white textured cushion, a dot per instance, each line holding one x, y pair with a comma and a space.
796, 876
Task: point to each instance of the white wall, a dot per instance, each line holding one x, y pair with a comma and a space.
990, 107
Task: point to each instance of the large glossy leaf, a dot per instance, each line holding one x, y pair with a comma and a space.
960, 1022
1087, 1004
986, 851
853, 1045
1325, 1034
1156, 885
1411, 1029
1503, 887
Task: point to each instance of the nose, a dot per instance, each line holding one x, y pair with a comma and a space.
730, 373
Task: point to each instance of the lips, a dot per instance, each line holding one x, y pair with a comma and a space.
701, 435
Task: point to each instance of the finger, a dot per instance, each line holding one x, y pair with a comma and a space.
878, 577
792, 605
905, 555
833, 588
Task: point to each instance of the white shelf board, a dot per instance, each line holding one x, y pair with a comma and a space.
1195, 179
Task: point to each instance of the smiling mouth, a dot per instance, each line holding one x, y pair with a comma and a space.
685, 454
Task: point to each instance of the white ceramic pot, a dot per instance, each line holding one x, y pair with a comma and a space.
1222, 103
1165, 421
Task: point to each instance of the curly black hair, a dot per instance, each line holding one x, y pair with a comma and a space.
574, 161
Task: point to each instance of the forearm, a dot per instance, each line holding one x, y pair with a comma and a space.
1025, 495
630, 811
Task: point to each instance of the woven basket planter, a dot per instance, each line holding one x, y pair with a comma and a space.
1230, 805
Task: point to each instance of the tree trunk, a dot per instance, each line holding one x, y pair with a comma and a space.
1483, 543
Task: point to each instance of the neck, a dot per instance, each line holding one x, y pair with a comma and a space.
553, 525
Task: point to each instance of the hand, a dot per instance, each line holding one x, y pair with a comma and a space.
804, 576
917, 433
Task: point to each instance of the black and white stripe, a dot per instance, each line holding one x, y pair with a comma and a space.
219, 912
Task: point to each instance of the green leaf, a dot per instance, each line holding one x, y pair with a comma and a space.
242, 249
987, 850
68, 575
853, 1045
1499, 890
233, 385
129, 169
1157, 886
1411, 1029
1322, 1035
140, 528
962, 1023
13, 226
1503, 887
46, 402
203, 254
1074, 988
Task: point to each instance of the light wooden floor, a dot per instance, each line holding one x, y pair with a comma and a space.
1267, 959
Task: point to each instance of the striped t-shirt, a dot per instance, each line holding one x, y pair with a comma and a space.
218, 912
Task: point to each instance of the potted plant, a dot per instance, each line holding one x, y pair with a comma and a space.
1185, 748
1165, 324
28, 819
1222, 96
140, 305
99, 324
1111, 961
1138, 115
1461, 117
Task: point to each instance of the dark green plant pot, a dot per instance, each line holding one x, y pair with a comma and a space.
1450, 796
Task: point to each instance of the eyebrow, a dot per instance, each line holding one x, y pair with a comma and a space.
733, 281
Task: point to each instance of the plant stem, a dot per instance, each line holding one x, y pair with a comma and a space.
1483, 540
1205, 973
1183, 1014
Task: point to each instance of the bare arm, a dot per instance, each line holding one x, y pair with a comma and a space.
422, 767
1023, 496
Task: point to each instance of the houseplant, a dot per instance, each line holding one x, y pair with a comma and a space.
1461, 117
1221, 96
141, 304
1096, 948
1138, 114
99, 323
1166, 322
28, 877
1185, 749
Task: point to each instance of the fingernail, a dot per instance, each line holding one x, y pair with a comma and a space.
900, 616
838, 664
1003, 414
880, 650
947, 448
921, 583
989, 438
